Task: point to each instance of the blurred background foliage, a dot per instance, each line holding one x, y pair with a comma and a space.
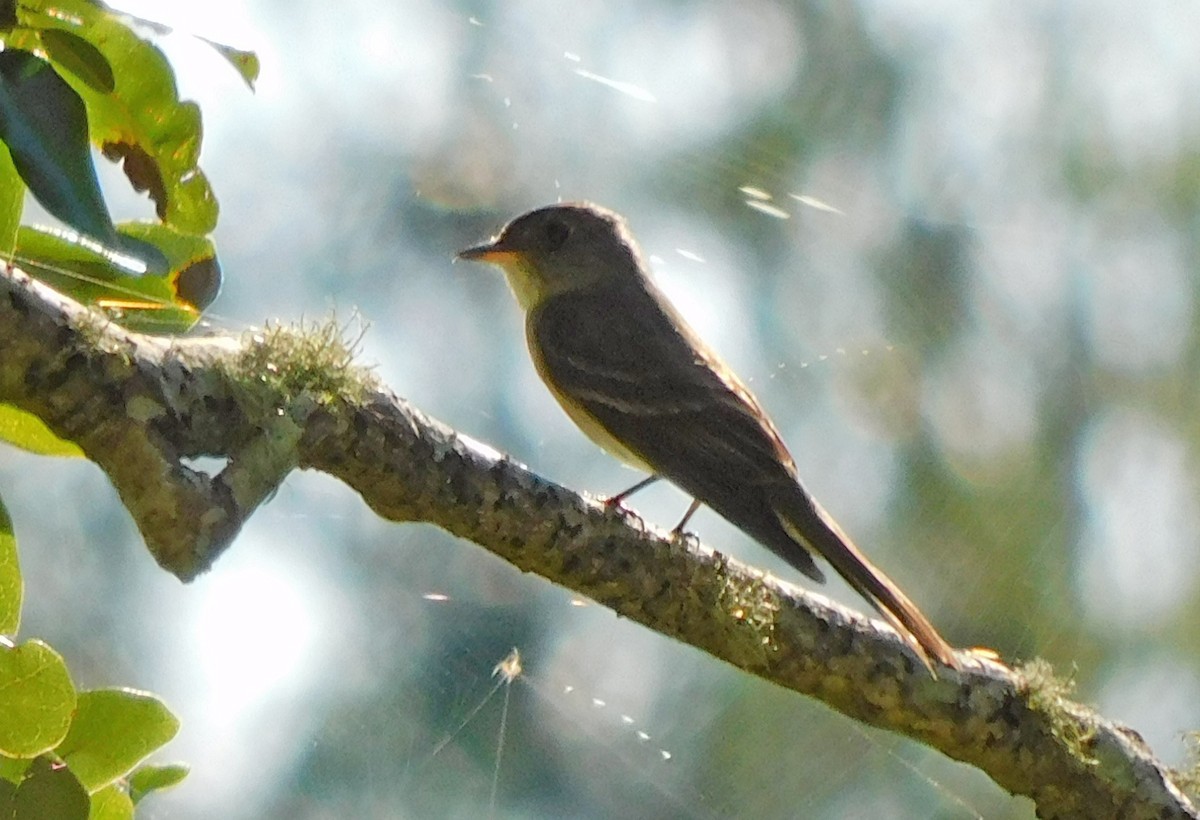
953, 247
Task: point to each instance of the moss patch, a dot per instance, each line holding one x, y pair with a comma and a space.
314, 360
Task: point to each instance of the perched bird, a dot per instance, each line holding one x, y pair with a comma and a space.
641, 384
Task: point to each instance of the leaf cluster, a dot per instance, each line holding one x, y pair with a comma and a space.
79, 80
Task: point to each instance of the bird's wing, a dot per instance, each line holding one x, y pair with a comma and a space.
627, 360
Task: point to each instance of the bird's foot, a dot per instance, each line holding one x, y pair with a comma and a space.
681, 536
616, 500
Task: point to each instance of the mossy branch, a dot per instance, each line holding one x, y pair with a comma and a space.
269, 402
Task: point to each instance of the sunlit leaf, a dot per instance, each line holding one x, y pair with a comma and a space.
191, 261
45, 125
111, 803
11, 585
28, 432
50, 791
167, 302
246, 62
75, 267
142, 121
12, 201
81, 58
12, 769
36, 699
148, 779
155, 27
113, 730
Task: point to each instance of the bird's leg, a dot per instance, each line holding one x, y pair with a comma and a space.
615, 500
678, 531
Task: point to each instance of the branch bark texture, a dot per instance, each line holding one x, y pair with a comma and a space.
270, 402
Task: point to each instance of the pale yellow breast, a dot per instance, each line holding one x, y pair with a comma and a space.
583, 420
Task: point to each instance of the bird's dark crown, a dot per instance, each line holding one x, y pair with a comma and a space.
574, 233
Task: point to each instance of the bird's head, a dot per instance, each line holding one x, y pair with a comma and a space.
559, 249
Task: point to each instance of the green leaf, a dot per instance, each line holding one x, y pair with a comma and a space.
246, 62
111, 803
148, 779
142, 122
12, 770
36, 699
191, 263
11, 585
169, 302
79, 57
50, 791
28, 432
45, 125
113, 730
12, 202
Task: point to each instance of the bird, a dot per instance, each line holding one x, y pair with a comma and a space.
641, 383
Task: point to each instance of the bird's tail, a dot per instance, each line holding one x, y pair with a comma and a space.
815, 529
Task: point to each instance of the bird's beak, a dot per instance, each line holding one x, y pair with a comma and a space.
488, 252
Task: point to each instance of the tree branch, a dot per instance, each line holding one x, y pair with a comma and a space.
270, 402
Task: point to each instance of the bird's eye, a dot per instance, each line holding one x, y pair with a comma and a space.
556, 234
